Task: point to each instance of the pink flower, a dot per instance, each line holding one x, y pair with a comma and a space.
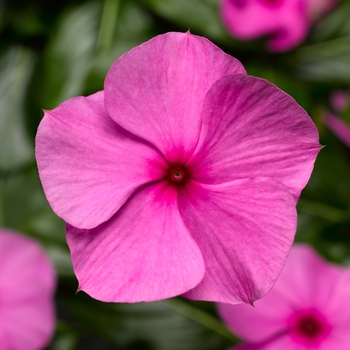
285, 21
27, 285
308, 308
181, 177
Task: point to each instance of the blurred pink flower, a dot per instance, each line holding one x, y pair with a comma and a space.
339, 101
286, 21
180, 177
27, 285
338, 127
308, 308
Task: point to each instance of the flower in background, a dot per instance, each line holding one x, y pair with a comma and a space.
181, 177
339, 103
286, 21
308, 308
27, 285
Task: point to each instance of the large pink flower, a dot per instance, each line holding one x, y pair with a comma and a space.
180, 177
308, 308
285, 21
27, 285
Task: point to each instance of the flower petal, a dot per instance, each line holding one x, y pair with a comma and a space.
257, 323
156, 90
87, 164
143, 253
29, 325
22, 262
251, 128
27, 287
244, 229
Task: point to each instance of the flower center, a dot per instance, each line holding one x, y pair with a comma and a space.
177, 174
239, 3
271, 3
309, 327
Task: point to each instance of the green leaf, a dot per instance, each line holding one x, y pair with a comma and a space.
200, 16
150, 325
69, 54
16, 148
133, 26
26, 210
328, 58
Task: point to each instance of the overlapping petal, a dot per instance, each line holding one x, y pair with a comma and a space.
27, 284
298, 281
143, 253
307, 282
87, 164
157, 89
244, 230
250, 128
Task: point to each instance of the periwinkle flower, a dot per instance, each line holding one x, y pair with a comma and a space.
181, 177
307, 308
286, 21
27, 286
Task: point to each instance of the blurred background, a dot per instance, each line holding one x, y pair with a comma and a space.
51, 51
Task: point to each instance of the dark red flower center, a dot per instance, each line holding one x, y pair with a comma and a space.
177, 174
239, 3
271, 3
309, 327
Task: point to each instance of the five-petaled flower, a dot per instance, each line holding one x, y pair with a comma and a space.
181, 177
27, 286
285, 21
306, 308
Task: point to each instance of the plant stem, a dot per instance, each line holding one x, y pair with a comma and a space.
107, 27
322, 210
200, 317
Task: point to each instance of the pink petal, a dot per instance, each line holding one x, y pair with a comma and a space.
87, 164
287, 21
338, 127
251, 128
339, 338
29, 324
257, 323
244, 230
156, 90
27, 286
143, 253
